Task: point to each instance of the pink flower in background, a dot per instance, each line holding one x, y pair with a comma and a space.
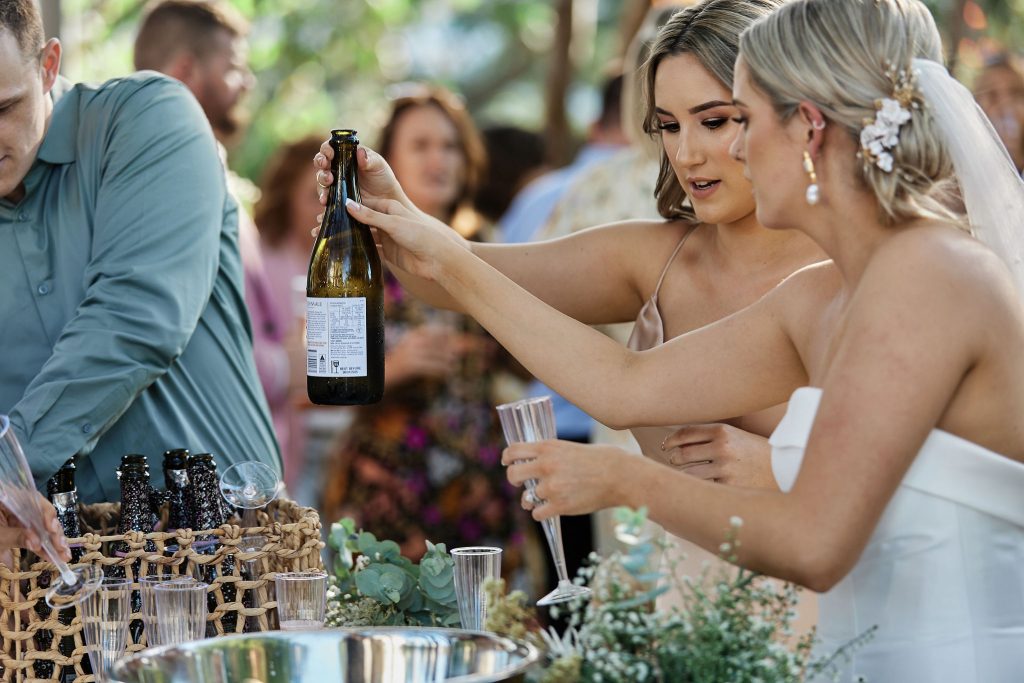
490, 456
416, 438
431, 515
470, 529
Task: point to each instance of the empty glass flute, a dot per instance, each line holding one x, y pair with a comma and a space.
301, 600
18, 494
533, 419
180, 610
105, 615
473, 566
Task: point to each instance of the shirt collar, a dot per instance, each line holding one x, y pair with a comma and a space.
58, 145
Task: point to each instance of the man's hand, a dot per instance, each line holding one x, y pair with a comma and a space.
14, 535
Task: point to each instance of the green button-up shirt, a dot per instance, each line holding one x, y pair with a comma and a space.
123, 327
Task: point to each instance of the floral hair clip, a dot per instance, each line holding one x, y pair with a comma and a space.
882, 133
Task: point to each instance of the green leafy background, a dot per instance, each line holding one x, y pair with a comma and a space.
324, 62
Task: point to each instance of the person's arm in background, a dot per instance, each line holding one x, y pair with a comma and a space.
157, 218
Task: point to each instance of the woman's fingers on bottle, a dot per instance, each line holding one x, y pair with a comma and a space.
323, 160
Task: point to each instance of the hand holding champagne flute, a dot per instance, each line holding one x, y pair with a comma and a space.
18, 495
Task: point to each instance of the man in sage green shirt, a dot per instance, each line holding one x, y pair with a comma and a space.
122, 321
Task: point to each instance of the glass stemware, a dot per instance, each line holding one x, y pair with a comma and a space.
18, 494
249, 486
533, 419
105, 616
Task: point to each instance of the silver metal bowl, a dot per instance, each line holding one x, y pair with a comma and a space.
347, 655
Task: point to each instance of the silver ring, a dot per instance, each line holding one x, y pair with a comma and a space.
532, 498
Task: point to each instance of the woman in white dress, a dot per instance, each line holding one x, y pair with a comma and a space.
901, 454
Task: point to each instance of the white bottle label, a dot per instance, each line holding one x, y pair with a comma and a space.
336, 337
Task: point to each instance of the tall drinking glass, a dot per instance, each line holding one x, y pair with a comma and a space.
105, 616
533, 419
181, 611
473, 567
18, 494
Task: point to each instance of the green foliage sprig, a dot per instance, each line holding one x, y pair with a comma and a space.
734, 626
373, 585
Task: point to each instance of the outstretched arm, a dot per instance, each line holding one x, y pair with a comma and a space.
591, 276
740, 364
913, 334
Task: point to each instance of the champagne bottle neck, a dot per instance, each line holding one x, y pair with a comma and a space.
345, 185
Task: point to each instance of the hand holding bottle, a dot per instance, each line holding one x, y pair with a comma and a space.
409, 240
376, 179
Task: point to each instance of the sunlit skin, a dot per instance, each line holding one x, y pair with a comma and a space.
911, 327
25, 108
427, 159
605, 275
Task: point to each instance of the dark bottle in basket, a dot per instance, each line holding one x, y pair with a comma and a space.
60, 489
176, 485
136, 515
63, 493
207, 510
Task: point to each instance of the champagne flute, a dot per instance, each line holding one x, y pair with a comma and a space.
249, 486
18, 494
533, 419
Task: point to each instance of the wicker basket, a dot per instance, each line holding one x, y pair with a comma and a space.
292, 543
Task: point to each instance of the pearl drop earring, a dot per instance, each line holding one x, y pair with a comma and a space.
813, 191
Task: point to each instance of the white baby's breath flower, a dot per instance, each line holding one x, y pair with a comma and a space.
735, 521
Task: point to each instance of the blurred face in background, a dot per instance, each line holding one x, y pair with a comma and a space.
427, 159
221, 79
1000, 92
304, 207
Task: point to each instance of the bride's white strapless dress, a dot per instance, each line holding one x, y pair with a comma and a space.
942, 576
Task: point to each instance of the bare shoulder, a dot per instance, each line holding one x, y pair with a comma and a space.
946, 260
649, 232
808, 289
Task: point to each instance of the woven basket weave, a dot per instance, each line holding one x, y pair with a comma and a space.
292, 543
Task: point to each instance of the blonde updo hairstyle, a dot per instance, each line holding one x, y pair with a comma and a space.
710, 31
838, 54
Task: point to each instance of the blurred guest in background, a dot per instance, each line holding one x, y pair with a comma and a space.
202, 43
999, 90
515, 157
425, 462
284, 214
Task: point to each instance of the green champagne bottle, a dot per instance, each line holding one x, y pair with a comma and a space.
344, 296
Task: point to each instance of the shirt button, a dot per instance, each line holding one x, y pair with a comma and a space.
87, 428
22, 216
43, 289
